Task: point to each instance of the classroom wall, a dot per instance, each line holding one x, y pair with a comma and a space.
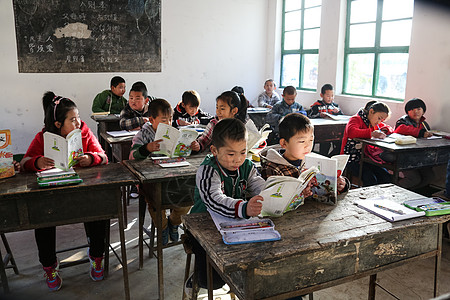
207, 45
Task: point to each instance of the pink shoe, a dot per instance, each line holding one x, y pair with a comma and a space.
53, 279
96, 267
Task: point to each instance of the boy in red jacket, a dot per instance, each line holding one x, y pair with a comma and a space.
413, 123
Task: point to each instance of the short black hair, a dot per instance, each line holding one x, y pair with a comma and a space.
292, 124
159, 107
228, 129
325, 88
139, 87
377, 107
191, 98
116, 80
289, 90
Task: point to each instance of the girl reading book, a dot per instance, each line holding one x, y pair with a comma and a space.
61, 117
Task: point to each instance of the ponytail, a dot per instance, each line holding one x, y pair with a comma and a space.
242, 112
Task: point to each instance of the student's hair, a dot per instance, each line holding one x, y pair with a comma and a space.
56, 109
377, 107
270, 80
292, 124
191, 98
289, 90
139, 87
230, 129
159, 107
238, 89
116, 80
235, 100
325, 88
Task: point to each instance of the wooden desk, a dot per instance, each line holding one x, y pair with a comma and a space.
321, 246
106, 123
164, 187
327, 130
424, 153
258, 116
121, 146
24, 206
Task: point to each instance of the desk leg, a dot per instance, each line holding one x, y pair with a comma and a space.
156, 197
142, 208
3, 275
372, 284
125, 193
361, 163
437, 266
123, 249
395, 172
209, 277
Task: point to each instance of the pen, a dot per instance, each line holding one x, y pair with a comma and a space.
425, 126
399, 212
257, 224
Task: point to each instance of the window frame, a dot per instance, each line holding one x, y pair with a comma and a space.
299, 51
376, 50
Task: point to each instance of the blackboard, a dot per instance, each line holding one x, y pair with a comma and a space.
71, 36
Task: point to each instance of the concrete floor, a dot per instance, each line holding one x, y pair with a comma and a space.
414, 281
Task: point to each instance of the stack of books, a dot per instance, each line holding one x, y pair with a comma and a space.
57, 177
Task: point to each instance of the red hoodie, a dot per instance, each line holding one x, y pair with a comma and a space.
90, 146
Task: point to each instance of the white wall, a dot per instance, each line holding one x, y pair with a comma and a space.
207, 45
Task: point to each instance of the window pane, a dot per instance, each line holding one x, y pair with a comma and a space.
292, 5
312, 17
396, 33
311, 38
392, 75
363, 11
292, 20
292, 40
310, 66
397, 9
359, 74
309, 3
291, 70
362, 35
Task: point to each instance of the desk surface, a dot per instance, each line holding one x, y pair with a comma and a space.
319, 244
324, 121
422, 143
106, 118
116, 140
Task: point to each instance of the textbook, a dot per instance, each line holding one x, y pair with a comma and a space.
63, 150
255, 136
336, 117
241, 231
329, 169
175, 142
431, 206
120, 133
284, 193
6, 155
388, 209
56, 177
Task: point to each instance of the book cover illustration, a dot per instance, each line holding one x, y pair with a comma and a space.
175, 142
63, 150
431, 206
324, 185
6, 155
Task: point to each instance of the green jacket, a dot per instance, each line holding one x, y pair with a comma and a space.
102, 102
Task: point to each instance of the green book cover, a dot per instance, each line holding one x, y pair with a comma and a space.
431, 206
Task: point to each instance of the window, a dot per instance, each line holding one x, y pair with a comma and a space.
300, 43
377, 41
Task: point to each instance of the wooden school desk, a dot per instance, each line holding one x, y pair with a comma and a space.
327, 130
24, 206
106, 123
258, 115
121, 146
424, 153
164, 187
321, 246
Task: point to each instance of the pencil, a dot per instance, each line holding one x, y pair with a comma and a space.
395, 211
425, 126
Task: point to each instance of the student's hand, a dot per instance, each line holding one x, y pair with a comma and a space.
254, 206
378, 134
307, 190
84, 160
195, 146
16, 166
183, 123
322, 115
146, 119
427, 134
269, 106
153, 146
340, 183
335, 110
43, 163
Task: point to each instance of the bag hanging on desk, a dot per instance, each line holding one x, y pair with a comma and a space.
6, 155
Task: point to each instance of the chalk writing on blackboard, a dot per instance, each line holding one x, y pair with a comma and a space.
59, 36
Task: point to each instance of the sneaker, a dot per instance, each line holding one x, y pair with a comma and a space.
165, 236
53, 279
134, 192
96, 267
173, 232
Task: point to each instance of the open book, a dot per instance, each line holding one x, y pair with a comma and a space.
397, 138
63, 150
431, 206
6, 155
329, 169
241, 231
255, 136
175, 142
336, 117
388, 209
284, 193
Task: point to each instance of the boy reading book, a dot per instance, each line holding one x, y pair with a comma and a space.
224, 181
287, 159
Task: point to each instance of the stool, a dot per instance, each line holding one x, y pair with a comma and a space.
7, 262
188, 250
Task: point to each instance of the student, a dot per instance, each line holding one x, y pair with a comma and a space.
326, 105
367, 123
269, 97
61, 117
144, 145
413, 123
228, 105
188, 112
225, 179
135, 114
282, 108
112, 100
286, 159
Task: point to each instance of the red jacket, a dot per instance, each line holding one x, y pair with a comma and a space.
407, 126
90, 146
